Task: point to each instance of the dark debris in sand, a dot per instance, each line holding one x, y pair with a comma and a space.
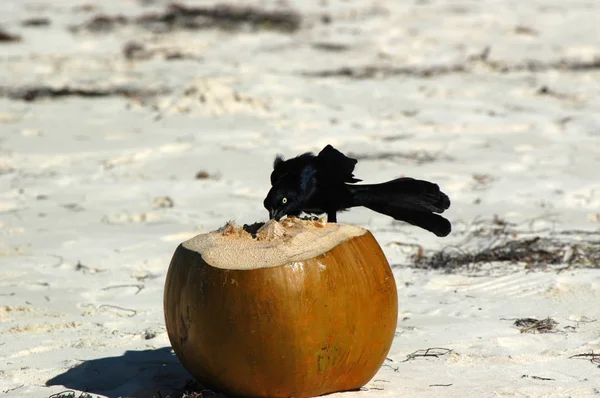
34, 93
36, 22
205, 175
467, 66
500, 241
180, 16
194, 389
374, 71
590, 356
434, 352
7, 37
533, 325
72, 394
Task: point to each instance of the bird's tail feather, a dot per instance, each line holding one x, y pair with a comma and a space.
406, 199
430, 221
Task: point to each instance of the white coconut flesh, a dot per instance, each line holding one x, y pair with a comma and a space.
275, 243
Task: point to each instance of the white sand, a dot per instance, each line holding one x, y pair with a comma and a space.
87, 230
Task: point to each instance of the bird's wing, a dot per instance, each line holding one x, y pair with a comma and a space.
292, 167
308, 181
335, 167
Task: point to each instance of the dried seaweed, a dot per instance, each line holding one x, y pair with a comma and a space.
591, 356
34, 93
374, 71
205, 175
36, 22
193, 389
434, 352
532, 325
468, 66
179, 16
536, 378
7, 37
534, 253
499, 241
330, 47
72, 394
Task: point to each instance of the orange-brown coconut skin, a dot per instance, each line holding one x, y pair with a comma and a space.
302, 329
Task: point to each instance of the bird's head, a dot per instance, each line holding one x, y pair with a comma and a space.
281, 201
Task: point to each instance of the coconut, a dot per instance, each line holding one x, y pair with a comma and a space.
291, 309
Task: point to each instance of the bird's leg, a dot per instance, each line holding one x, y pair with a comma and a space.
331, 216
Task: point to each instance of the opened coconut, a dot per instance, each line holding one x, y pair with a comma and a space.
295, 309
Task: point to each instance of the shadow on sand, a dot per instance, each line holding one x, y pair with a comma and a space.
148, 373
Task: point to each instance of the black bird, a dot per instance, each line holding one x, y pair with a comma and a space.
322, 184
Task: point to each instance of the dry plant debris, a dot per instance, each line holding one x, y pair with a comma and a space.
205, 175
467, 66
536, 377
499, 241
7, 37
374, 71
36, 22
532, 325
34, 93
591, 356
180, 16
434, 352
72, 394
193, 389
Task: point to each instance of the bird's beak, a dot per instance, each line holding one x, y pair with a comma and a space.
274, 214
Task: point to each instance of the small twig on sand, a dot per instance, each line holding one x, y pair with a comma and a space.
139, 287
593, 358
71, 394
537, 378
429, 352
34, 93
116, 310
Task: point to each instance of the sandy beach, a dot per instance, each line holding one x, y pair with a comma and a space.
127, 127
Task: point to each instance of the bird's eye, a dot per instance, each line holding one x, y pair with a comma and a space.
284, 200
